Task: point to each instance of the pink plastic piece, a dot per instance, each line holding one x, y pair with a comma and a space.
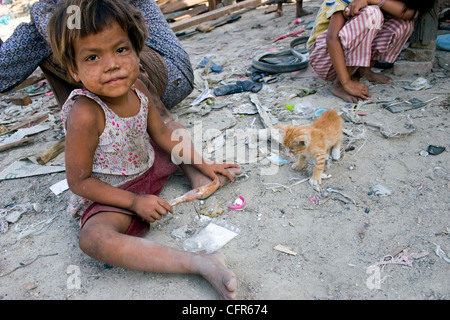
238, 204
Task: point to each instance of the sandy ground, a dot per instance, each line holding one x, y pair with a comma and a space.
346, 240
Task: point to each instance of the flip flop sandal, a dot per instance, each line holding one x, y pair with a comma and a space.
283, 61
238, 87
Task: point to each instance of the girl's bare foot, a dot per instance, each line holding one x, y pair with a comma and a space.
377, 77
213, 268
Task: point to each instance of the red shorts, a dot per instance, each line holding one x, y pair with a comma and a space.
151, 182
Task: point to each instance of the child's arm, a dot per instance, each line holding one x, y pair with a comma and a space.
334, 45
400, 10
83, 127
394, 7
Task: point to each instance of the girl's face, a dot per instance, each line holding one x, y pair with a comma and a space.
107, 63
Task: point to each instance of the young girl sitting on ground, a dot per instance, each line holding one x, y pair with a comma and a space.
118, 147
348, 38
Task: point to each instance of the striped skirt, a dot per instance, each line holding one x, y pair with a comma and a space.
369, 36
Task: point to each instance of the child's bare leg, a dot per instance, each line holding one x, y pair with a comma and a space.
279, 9
102, 237
299, 12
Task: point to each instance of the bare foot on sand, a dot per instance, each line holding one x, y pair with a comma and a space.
214, 269
377, 77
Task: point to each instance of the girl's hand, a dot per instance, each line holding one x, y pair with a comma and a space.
354, 7
150, 207
211, 169
357, 89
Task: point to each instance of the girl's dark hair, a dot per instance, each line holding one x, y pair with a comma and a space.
73, 19
421, 6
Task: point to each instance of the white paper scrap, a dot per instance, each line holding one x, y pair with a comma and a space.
59, 187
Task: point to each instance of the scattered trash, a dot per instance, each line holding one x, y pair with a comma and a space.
181, 232
404, 258
418, 84
238, 87
275, 159
211, 207
304, 109
13, 214
441, 254
206, 63
400, 106
284, 249
59, 187
29, 286
318, 112
289, 35
310, 25
24, 132
362, 232
265, 118
314, 199
34, 229
26, 167
423, 153
213, 237
340, 193
349, 115
239, 203
381, 190
206, 94
246, 108
435, 150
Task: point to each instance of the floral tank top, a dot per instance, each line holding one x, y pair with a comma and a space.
124, 151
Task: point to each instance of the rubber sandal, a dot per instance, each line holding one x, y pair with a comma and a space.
239, 87
289, 60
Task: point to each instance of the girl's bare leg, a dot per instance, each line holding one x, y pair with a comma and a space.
102, 237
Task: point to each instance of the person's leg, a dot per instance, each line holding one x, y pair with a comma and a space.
103, 238
387, 45
299, 11
356, 38
164, 41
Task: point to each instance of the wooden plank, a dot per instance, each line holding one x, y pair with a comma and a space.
52, 152
180, 5
15, 144
192, 13
212, 15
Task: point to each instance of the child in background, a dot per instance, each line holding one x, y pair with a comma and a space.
118, 147
348, 38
